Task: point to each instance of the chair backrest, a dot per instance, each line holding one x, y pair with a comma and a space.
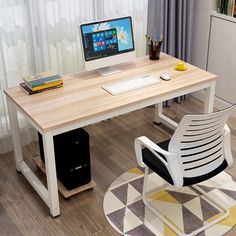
201, 142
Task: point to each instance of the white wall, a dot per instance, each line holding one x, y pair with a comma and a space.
201, 31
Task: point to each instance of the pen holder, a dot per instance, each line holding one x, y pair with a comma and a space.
154, 51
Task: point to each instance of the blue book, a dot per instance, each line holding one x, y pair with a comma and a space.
38, 80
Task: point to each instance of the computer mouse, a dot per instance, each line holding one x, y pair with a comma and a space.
165, 76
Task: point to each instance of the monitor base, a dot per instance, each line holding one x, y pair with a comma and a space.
105, 71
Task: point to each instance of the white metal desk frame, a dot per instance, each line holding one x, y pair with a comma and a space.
50, 194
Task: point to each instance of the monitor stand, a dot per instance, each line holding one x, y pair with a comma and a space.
105, 71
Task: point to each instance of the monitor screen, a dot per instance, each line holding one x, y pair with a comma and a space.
107, 38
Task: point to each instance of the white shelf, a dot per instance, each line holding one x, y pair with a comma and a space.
223, 16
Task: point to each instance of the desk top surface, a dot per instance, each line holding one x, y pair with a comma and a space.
82, 97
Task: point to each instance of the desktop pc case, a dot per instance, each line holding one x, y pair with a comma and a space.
72, 156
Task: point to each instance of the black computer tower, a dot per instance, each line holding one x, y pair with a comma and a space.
72, 156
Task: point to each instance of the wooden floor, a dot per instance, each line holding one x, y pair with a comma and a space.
22, 212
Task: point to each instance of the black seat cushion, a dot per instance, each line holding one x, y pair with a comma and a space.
198, 179
155, 164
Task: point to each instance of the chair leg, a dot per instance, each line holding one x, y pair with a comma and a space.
145, 182
213, 202
169, 223
156, 212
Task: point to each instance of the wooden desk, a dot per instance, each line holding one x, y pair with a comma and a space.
82, 101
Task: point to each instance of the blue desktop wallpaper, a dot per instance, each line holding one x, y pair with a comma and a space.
123, 27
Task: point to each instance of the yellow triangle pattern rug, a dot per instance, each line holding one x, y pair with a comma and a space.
125, 211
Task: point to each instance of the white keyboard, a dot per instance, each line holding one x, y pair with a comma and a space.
130, 84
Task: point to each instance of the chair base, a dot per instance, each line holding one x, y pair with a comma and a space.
170, 224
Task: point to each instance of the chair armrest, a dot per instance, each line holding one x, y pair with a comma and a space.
172, 163
146, 142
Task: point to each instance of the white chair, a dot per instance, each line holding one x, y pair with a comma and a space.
198, 150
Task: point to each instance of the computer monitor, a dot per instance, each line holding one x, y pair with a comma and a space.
107, 43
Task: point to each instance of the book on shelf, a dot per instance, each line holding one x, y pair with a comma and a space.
227, 7
224, 6
28, 91
230, 7
41, 79
234, 9
219, 6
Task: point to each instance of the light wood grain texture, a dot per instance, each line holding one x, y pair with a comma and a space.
82, 98
22, 212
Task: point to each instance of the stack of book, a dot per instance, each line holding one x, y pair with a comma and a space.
227, 7
41, 82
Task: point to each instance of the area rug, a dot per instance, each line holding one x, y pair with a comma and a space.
125, 211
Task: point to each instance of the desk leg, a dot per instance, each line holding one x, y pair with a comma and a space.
15, 134
209, 98
53, 199
160, 118
158, 112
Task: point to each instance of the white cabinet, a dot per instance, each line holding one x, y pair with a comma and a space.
222, 55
